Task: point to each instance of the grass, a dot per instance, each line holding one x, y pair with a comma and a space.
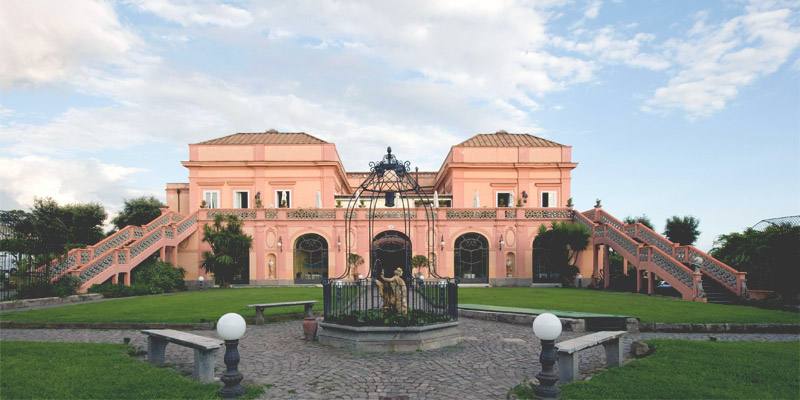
700, 370
34, 370
208, 305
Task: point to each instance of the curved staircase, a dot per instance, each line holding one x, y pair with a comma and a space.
124, 250
692, 272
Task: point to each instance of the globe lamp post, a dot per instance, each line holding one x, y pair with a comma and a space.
547, 327
231, 327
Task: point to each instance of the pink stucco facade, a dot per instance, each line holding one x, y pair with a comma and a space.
502, 186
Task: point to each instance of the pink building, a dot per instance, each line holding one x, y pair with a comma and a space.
493, 193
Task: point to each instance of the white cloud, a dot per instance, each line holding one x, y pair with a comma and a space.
23, 179
43, 41
188, 13
593, 9
607, 46
716, 60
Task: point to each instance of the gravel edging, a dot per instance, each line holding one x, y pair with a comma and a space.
32, 304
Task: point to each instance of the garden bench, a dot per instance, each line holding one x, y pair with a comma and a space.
568, 352
205, 350
308, 304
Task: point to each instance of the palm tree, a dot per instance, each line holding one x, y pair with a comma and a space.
230, 248
355, 261
419, 262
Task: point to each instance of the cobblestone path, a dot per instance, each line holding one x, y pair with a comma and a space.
493, 358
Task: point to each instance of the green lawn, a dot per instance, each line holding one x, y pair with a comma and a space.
208, 305
700, 370
34, 370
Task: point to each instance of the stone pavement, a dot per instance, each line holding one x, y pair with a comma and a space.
493, 358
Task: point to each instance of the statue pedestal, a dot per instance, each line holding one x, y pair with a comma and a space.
390, 338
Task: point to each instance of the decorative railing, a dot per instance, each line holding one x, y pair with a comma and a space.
158, 222
647, 235
606, 218
510, 214
622, 240
270, 214
112, 242
721, 272
242, 213
583, 220
556, 213
64, 264
96, 267
393, 214
187, 223
471, 214
143, 244
310, 213
671, 266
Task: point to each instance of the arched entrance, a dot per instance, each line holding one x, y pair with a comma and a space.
310, 258
472, 258
391, 249
544, 270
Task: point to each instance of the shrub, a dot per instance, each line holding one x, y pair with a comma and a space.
67, 285
110, 290
160, 277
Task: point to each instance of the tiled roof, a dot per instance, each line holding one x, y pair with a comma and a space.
505, 139
268, 137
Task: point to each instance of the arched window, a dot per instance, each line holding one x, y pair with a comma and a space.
391, 250
472, 258
310, 258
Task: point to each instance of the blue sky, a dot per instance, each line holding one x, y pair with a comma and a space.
672, 107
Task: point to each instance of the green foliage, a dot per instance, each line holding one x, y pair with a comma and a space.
770, 257
558, 248
65, 286
642, 219
230, 248
159, 276
419, 261
138, 211
33, 370
692, 369
378, 317
110, 290
682, 230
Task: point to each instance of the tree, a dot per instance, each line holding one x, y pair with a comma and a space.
138, 211
560, 246
682, 230
355, 261
230, 248
84, 223
419, 261
770, 257
642, 219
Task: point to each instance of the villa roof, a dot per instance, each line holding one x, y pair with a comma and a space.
505, 139
269, 137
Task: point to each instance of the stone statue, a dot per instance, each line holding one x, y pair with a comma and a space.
393, 292
258, 200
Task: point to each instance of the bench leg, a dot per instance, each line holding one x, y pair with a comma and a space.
259, 316
567, 367
156, 349
204, 365
614, 356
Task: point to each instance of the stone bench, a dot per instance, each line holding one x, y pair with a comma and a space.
308, 305
568, 352
205, 350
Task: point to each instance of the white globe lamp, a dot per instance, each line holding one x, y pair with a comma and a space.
547, 326
231, 326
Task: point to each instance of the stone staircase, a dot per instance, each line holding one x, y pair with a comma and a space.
686, 268
124, 250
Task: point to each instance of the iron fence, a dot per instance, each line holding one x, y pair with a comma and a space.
360, 302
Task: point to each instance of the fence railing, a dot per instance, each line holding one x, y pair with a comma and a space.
358, 302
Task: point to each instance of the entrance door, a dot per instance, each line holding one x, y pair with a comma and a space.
390, 250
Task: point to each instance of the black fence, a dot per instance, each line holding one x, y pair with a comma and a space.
361, 303
24, 265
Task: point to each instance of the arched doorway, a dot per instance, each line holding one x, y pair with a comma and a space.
310, 258
472, 258
391, 249
544, 270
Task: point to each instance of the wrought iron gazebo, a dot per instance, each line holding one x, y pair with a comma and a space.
391, 191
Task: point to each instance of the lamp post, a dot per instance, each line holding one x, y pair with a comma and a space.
231, 327
200, 283
547, 327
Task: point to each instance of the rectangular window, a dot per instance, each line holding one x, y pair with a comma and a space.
503, 199
549, 199
241, 199
283, 198
211, 197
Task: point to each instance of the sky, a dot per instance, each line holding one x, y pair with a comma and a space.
672, 107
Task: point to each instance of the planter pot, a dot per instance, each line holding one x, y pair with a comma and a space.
309, 328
